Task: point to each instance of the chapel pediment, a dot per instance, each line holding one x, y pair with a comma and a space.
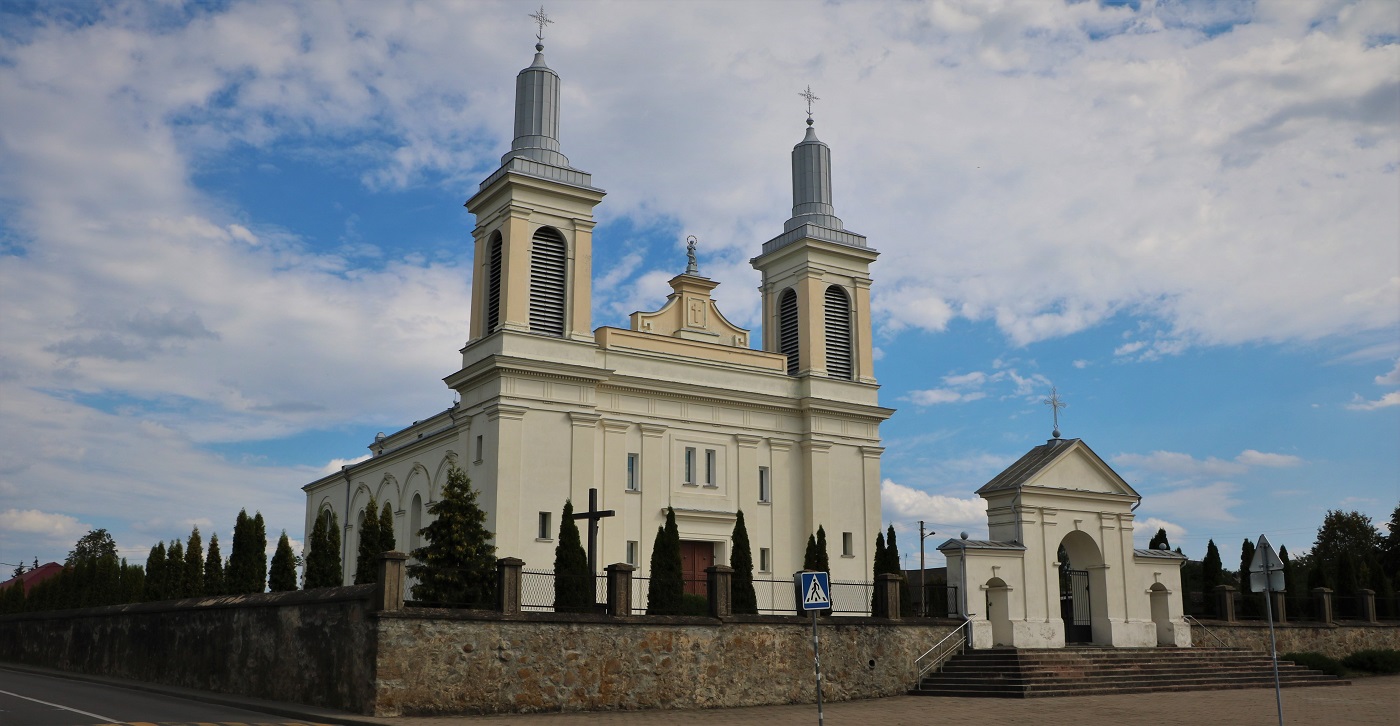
1066, 464
690, 313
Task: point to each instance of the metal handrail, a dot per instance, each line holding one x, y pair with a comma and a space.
937, 661
1190, 620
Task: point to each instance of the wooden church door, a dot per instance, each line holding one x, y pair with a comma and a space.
695, 558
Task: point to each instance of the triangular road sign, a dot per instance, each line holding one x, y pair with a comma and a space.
1265, 559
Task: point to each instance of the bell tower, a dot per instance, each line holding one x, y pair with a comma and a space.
816, 277
534, 225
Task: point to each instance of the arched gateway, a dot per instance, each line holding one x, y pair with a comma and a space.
1060, 566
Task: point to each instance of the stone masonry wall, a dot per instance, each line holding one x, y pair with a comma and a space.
1337, 641
433, 661
314, 647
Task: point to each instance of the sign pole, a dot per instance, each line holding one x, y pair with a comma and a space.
1273, 650
817, 663
1262, 577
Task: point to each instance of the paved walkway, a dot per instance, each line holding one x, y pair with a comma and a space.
1367, 701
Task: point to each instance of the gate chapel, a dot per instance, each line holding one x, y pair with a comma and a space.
680, 409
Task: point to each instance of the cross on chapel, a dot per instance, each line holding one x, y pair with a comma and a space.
593, 515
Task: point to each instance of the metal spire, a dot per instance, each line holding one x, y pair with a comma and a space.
1055, 405
807, 94
542, 20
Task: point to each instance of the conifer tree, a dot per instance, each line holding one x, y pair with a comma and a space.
811, 560
1159, 539
213, 568
247, 562
877, 567
283, 575
387, 541
744, 599
1246, 559
906, 599
175, 570
574, 587
315, 546
457, 563
367, 559
1211, 573
666, 588
155, 573
323, 558
133, 581
333, 573
194, 565
823, 559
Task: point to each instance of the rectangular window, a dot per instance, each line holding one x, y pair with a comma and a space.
710, 467
633, 474
632, 553
848, 546
690, 465
546, 532
765, 560
765, 486
480, 449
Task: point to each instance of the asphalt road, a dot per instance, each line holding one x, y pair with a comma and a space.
28, 699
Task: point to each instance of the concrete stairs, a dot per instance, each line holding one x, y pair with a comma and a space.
1091, 671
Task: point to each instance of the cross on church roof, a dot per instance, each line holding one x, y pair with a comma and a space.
542, 20
1055, 405
807, 94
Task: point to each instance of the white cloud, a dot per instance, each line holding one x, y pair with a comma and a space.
1179, 464
1081, 364
335, 465
1211, 503
1392, 378
1360, 404
1250, 457
1147, 529
43, 524
935, 396
903, 503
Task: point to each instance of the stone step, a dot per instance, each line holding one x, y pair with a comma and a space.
1093, 691
1033, 682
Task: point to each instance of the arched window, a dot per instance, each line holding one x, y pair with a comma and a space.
838, 333
493, 285
547, 265
415, 522
787, 329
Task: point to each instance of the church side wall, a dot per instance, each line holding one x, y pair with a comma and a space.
430, 663
315, 648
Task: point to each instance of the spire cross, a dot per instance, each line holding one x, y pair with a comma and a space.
807, 94
542, 20
1055, 405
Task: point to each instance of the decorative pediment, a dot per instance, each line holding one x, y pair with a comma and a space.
690, 313
1067, 464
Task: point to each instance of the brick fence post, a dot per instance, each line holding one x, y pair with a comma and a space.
1366, 600
1225, 603
619, 588
508, 584
720, 579
1279, 601
885, 604
1323, 595
389, 593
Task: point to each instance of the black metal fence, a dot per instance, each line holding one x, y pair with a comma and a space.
537, 591
940, 600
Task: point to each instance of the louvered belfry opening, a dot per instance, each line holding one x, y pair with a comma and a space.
838, 333
548, 259
493, 285
787, 329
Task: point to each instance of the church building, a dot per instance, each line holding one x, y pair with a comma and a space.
680, 409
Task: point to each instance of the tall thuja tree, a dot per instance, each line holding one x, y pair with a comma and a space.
194, 565
282, 577
1390, 547
877, 568
371, 544
574, 587
906, 599
744, 599
133, 582
315, 547
823, 559
213, 568
175, 569
1159, 539
666, 588
323, 561
457, 562
811, 559
1212, 574
155, 573
387, 541
1246, 559
247, 561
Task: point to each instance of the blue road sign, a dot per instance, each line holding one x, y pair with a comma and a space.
816, 591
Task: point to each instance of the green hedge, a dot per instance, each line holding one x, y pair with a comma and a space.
1374, 661
1317, 662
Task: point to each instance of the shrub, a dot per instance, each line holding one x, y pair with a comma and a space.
695, 605
1317, 662
1374, 661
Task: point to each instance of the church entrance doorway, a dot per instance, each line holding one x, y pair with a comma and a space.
1075, 607
695, 558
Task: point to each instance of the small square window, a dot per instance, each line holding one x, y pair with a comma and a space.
546, 531
765, 486
848, 548
710, 473
765, 559
634, 483
690, 465
632, 553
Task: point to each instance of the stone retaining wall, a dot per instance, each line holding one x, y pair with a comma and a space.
437, 662
314, 648
1337, 640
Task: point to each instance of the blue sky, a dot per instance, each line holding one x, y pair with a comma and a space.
232, 246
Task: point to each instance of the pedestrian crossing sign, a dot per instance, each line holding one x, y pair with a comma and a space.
816, 590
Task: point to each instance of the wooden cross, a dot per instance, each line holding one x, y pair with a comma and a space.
1055, 405
593, 515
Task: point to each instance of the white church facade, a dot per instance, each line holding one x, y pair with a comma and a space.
680, 410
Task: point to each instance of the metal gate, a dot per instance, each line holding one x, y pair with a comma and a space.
1074, 606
